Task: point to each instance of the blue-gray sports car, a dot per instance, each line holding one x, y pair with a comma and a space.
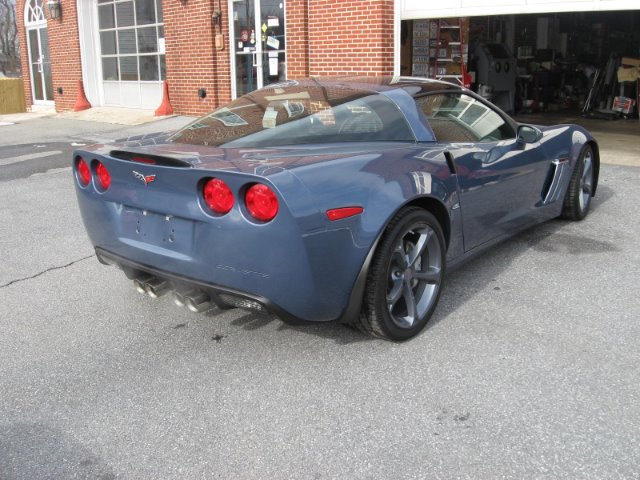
318, 200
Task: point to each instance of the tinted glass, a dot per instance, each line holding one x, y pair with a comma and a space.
110, 68
129, 68
124, 14
127, 41
108, 42
145, 12
106, 17
460, 118
147, 40
298, 115
148, 67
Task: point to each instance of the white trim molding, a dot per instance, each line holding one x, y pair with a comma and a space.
413, 9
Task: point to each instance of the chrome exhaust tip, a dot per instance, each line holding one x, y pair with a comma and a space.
179, 295
197, 301
156, 287
139, 283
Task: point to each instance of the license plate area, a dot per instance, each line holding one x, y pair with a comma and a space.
166, 231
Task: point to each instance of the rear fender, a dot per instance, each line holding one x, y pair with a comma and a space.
445, 208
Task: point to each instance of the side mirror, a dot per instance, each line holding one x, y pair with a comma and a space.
529, 134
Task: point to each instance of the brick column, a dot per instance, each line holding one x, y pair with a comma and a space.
66, 62
297, 20
352, 37
24, 54
192, 60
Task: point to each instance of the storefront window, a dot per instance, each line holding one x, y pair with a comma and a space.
131, 40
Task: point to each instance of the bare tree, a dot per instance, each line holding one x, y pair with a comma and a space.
9, 49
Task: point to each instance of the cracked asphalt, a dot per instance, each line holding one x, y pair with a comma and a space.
529, 368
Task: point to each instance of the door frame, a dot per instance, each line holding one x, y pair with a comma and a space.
38, 24
258, 54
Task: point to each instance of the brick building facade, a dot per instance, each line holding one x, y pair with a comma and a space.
210, 51
110, 46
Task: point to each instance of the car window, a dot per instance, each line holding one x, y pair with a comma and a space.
461, 118
297, 115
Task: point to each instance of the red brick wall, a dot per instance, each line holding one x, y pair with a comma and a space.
192, 60
64, 46
64, 49
24, 54
297, 20
353, 37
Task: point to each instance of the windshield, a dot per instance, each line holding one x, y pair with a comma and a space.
299, 114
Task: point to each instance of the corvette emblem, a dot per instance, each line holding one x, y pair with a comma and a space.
146, 179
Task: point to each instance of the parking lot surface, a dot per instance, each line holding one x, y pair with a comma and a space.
529, 368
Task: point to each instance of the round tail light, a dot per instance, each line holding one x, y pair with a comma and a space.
261, 202
218, 196
84, 174
104, 177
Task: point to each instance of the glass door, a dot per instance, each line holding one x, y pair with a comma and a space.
41, 81
258, 36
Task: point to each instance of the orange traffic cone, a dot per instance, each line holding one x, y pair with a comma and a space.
81, 101
165, 107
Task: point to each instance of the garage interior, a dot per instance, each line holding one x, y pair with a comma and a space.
555, 65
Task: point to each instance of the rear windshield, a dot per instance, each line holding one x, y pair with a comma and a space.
296, 115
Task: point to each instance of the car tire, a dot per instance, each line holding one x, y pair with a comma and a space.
580, 191
405, 277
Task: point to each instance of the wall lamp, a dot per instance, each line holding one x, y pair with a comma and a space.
55, 9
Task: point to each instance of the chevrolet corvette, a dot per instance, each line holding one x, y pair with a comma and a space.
342, 199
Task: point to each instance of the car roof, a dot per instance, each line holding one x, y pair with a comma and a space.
413, 85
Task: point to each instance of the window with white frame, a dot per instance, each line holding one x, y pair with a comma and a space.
131, 40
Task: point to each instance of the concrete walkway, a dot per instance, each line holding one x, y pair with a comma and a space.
114, 115
619, 140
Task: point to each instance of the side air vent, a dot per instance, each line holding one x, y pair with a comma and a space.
140, 157
548, 181
551, 188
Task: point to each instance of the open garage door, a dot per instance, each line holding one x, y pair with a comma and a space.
581, 61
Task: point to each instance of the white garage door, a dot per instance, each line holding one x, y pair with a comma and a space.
411, 9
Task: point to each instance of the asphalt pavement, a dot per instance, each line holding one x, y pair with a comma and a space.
529, 368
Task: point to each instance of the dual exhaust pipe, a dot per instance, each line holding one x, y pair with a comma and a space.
194, 299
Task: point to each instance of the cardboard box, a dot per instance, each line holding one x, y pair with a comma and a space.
623, 104
632, 62
630, 74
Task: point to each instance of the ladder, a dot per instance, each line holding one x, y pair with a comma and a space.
448, 47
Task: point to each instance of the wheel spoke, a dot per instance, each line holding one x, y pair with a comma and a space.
431, 276
586, 173
586, 189
395, 294
420, 246
410, 301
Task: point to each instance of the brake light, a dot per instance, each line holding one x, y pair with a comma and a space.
146, 160
84, 174
104, 177
261, 202
218, 196
344, 212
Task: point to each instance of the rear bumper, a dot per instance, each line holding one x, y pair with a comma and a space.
220, 295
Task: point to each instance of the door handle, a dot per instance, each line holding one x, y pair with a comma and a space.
255, 59
39, 63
